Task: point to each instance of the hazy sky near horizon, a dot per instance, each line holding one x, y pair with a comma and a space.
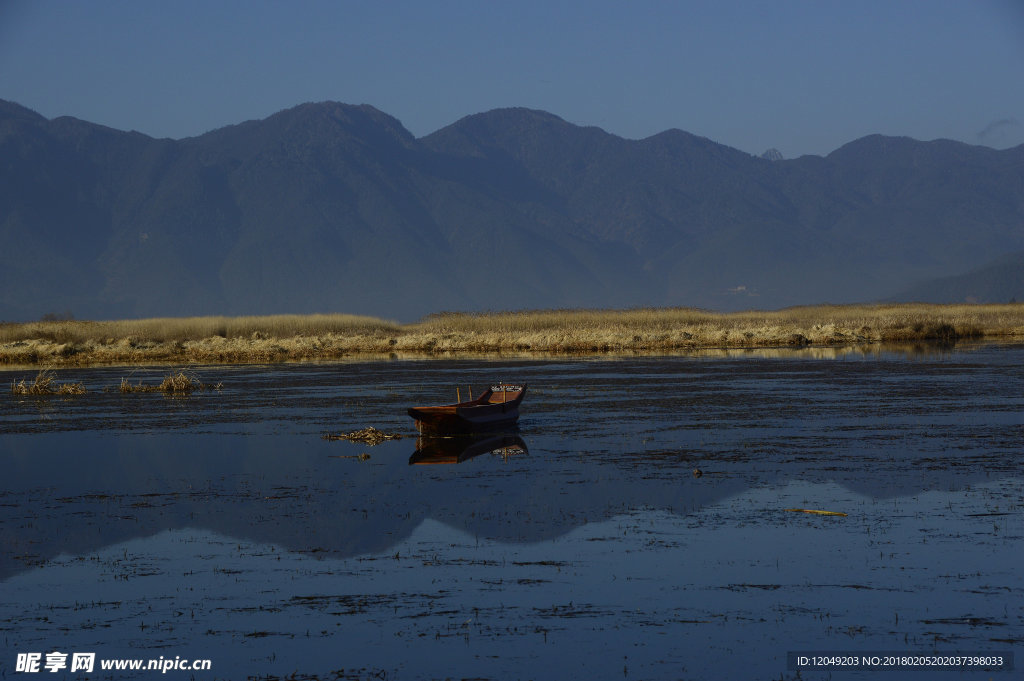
803, 76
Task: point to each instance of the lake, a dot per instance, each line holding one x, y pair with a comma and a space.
647, 521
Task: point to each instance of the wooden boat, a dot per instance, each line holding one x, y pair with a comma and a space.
497, 407
435, 450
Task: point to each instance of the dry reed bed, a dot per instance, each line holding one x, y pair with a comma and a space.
291, 337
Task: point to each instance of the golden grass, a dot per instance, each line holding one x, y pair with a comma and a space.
293, 337
170, 329
678, 328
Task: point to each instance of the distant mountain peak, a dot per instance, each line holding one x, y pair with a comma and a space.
675, 135
875, 145
507, 119
319, 123
518, 113
358, 116
12, 110
772, 154
512, 129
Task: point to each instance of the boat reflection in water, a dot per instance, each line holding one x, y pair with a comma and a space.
459, 448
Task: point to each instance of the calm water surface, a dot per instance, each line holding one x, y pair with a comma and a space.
223, 526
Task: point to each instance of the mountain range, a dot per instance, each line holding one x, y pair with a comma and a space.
329, 207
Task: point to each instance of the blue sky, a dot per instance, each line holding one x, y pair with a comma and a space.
804, 76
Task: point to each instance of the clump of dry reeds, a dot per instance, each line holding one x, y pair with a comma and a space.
45, 384
179, 383
174, 383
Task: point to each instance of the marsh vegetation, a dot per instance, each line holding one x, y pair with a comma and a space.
180, 382
45, 383
291, 337
177, 382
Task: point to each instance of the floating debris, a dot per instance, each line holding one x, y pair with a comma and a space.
697, 472
363, 456
370, 436
811, 510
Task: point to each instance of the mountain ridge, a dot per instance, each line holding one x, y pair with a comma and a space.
336, 207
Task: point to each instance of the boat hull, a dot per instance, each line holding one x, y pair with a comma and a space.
486, 413
464, 419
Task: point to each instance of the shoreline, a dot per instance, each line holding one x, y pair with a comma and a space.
283, 338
